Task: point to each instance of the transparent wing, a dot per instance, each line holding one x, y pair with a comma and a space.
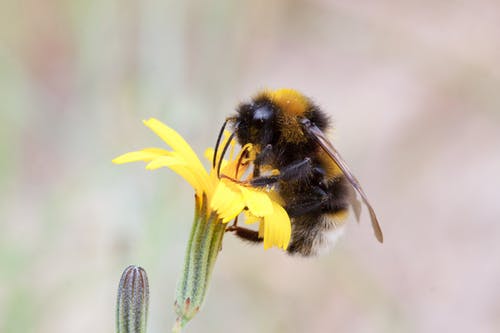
327, 146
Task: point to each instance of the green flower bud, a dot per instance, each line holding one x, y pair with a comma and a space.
133, 300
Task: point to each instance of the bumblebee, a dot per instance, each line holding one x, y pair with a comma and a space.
287, 130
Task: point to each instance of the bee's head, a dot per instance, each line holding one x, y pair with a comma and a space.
255, 122
275, 115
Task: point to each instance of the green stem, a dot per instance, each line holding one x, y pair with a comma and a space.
201, 253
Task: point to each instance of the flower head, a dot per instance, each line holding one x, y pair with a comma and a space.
226, 197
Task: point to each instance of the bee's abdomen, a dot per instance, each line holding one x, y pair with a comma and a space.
314, 234
316, 219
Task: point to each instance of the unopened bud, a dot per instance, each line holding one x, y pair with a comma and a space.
133, 300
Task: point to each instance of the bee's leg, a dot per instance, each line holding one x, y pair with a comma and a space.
322, 198
245, 234
295, 170
308, 203
235, 222
264, 181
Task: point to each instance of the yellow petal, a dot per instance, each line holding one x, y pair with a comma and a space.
174, 140
179, 167
145, 155
175, 161
209, 154
277, 228
218, 197
267, 234
251, 219
227, 202
261, 228
232, 211
258, 202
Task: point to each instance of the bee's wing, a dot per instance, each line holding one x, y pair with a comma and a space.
356, 205
327, 146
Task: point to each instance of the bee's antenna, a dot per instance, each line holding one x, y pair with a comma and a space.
223, 153
218, 142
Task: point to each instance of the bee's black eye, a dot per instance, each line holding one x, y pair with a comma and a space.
262, 114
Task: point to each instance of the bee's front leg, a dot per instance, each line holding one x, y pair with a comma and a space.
295, 171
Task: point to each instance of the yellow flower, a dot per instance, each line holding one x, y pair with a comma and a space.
225, 198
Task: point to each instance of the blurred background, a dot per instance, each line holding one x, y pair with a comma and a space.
413, 87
